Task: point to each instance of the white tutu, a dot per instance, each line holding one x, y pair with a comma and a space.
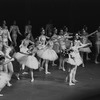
32, 62
24, 49
4, 79
28, 60
75, 59
21, 57
87, 49
49, 54
40, 52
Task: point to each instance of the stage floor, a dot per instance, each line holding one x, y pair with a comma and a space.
54, 87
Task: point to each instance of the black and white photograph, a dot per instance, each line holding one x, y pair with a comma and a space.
49, 49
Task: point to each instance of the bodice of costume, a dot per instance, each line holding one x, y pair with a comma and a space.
28, 29
14, 30
42, 39
66, 34
51, 44
77, 42
24, 49
26, 42
67, 43
62, 42
84, 39
5, 33
61, 38
54, 36
75, 49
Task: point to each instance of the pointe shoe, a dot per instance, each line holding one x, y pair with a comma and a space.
47, 72
18, 78
75, 81
63, 69
41, 68
96, 62
9, 84
25, 73
1, 95
32, 80
71, 84
83, 65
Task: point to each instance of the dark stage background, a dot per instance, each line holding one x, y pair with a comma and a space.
72, 13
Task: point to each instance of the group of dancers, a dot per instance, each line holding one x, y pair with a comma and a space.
35, 53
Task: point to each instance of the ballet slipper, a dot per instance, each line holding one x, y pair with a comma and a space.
1, 95
48, 73
32, 80
74, 81
71, 84
63, 69
41, 68
96, 62
9, 84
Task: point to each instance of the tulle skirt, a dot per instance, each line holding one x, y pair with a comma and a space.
4, 79
49, 54
56, 47
87, 49
76, 60
29, 60
40, 52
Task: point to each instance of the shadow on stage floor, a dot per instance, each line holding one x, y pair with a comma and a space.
54, 87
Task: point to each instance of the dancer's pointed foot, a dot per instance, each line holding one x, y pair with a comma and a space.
71, 84
83, 65
17, 77
75, 81
32, 80
9, 84
1, 95
96, 62
47, 72
25, 73
41, 68
63, 69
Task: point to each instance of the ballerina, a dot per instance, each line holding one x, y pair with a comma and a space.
25, 57
8, 68
74, 60
97, 44
5, 35
28, 59
48, 54
56, 45
4, 77
28, 30
41, 45
84, 39
14, 29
